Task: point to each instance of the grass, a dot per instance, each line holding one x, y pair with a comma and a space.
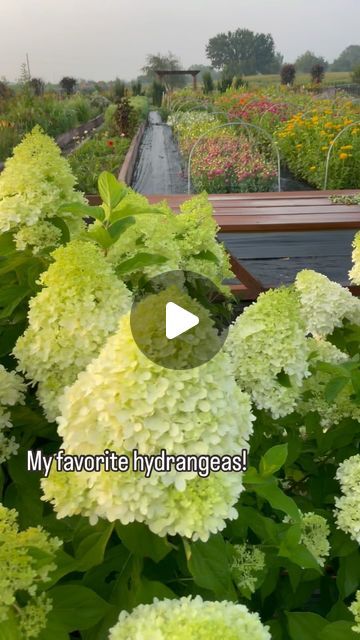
331, 77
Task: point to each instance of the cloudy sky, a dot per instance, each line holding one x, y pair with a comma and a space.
107, 38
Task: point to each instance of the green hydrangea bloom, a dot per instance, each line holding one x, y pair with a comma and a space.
35, 182
12, 390
313, 396
354, 274
189, 619
21, 569
267, 342
355, 610
247, 563
314, 535
38, 237
33, 617
124, 401
69, 319
347, 513
187, 240
325, 304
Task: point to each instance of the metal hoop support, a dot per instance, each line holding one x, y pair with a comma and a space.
348, 126
238, 123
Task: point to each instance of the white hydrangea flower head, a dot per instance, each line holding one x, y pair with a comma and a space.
314, 535
347, 513
20, 570
190, 618
354, 274
313, 392
78, 306
325, 304
12, 391
355, 610
247, 562
33, 617
36, 180
38, 237
266, 341
124, 401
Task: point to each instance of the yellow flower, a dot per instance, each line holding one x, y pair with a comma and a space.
343, 156
346, 146
324, 148
298, 146
313, 168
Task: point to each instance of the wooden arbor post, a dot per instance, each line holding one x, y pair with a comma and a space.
161, 73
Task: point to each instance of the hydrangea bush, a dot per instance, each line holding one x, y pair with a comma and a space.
269, 552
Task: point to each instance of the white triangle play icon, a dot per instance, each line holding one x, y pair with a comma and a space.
178, 320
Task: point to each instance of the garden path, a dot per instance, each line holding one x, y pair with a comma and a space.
159, 167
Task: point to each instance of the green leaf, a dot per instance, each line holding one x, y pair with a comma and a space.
273, 459
348, 576
206, 255
12, 262
268, 489
9, 629
54, 629
130, 208
208, 564
138, 538
118, 227
339, 630
90, 551
304, 626
11, 297
110, 189
150, 589
77, 607
138, 262
101, 236
7, 244
284, 379
333, 388
291, 548
60, 223
83, 210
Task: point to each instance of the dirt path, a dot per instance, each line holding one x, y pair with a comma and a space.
159, 167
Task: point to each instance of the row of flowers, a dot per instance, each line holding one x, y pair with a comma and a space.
305, 128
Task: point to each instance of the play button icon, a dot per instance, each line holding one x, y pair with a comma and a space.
178, 320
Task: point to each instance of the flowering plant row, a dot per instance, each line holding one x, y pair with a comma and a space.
272, 551
305, 128
223, 161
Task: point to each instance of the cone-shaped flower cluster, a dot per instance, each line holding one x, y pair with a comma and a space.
355, 271
190, 618
26, 560
325, 304
124, 401
69, 319
36, 181
348, 505
12, 390
269, 348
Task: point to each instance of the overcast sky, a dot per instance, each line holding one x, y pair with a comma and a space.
102, 39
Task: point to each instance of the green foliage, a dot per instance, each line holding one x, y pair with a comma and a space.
355, 76
288, 73
242, 52
348, 59
93, 156
208, 83
308, 60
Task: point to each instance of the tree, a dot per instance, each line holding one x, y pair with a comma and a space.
68, 85
242, 52
308, 60
348, 59
355, 76
168, 62
208, 83
317, 73
288, 73
119, 89
38, 86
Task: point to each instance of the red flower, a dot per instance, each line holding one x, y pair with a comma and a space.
110, 143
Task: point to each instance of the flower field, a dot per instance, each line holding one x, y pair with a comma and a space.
270, 550
304, 127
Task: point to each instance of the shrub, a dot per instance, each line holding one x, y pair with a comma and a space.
317, 73
287, 74
208, 83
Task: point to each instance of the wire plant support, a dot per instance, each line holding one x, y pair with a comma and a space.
328, 158
238, 123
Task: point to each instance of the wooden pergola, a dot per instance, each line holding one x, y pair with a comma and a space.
161, 73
